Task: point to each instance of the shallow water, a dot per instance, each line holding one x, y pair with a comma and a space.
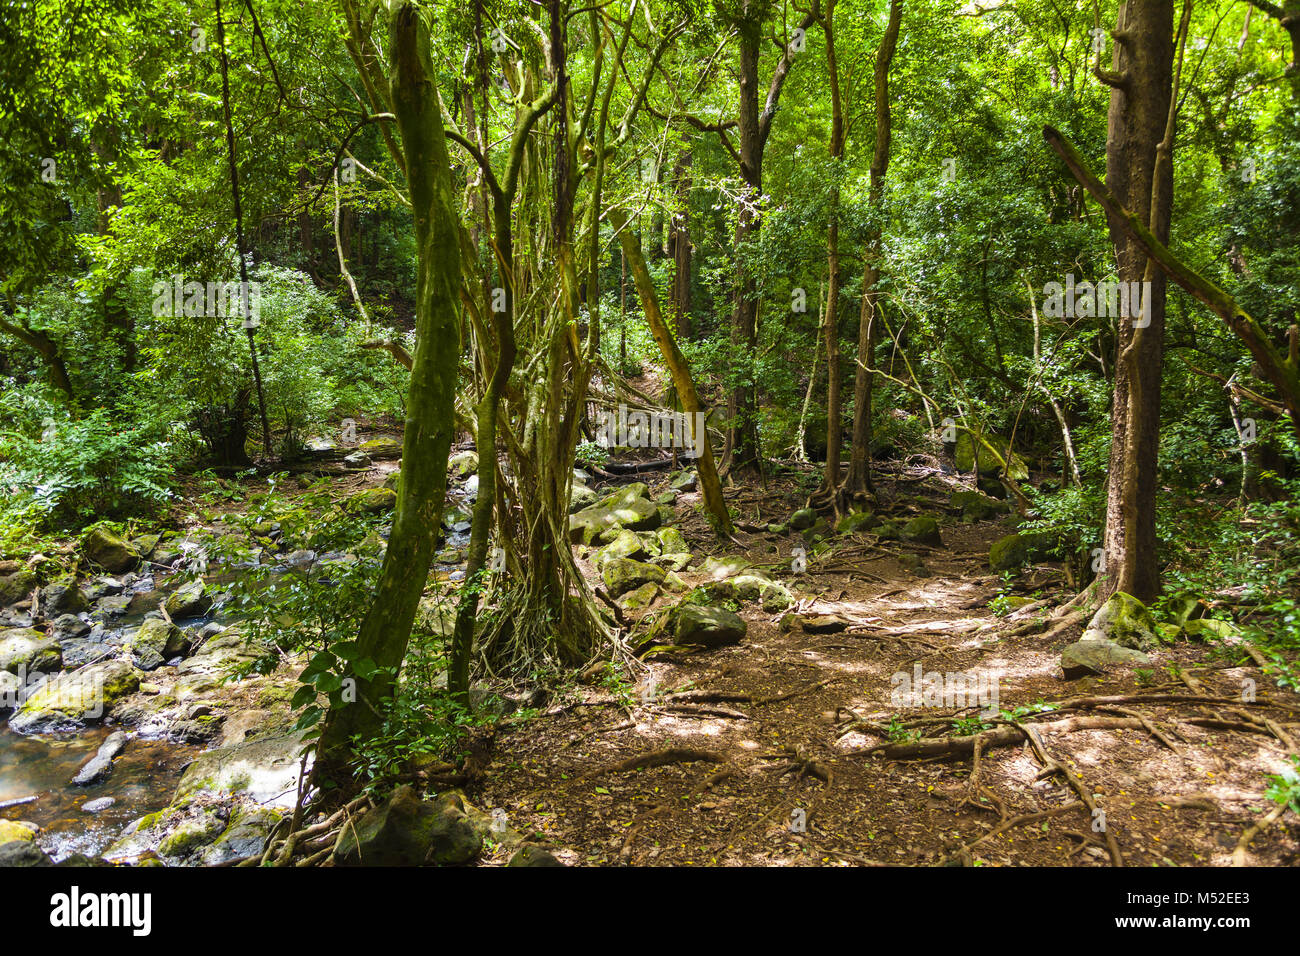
143, 779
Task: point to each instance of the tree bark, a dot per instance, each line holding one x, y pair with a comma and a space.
386, 629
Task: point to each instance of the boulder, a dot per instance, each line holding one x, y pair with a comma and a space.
98, 767
245, 834
719, 569
803, 519
975, 506
1016, 550
463, 462
264, 770
190, 600
709, 626
1124, 620
25, 648
625, 545
16, 587
1095, 655
371, 501
968, 450
1210, 629
629, 507
112, 553
11, 830
623, 574
854, 522
407, 831
580, 496
532, 855
72, 700
456, 838
640, 598
155, 642
63, 598
383, 448
22, 853
923, 529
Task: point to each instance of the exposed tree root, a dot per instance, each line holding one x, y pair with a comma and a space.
1254, 830
659, 758
958, 747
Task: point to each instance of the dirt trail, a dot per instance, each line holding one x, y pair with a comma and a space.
753, 754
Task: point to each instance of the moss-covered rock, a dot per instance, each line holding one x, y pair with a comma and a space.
191, 834
976, 506
189, 600
626, 544
463, 463
16, 587
1124, 620
1018, 549
1210, 629
382, 448
71, 700
708, 626
969, 449
623, 574
372, 501
638, 599
156, 641
803, 519
63, 597
630, 507
923, 529
1091, 656
25, 648
11, 830
854, 522
109, 551
265, 770
671, 541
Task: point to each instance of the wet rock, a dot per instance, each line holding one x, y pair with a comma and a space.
623, 574
63, 598
264, 770
29, 649
190, 600
11, 686
16, 587
98, 806
72, 700
156, 641
192, 834
109, 551
69, 627
11, 830
22, 853
924, 530
244, 836
98, 767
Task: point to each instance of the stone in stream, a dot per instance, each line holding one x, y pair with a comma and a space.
29, 649
63, 597
70, 701
22, 853
155, 642
190, 600
109, 551
98, 767
69, 627
265, 770
98, 806
16, 587
11, 830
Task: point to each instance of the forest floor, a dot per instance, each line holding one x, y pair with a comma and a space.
761, 753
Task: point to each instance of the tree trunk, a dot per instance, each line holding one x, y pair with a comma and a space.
386, 630
680, 243
1139, 114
